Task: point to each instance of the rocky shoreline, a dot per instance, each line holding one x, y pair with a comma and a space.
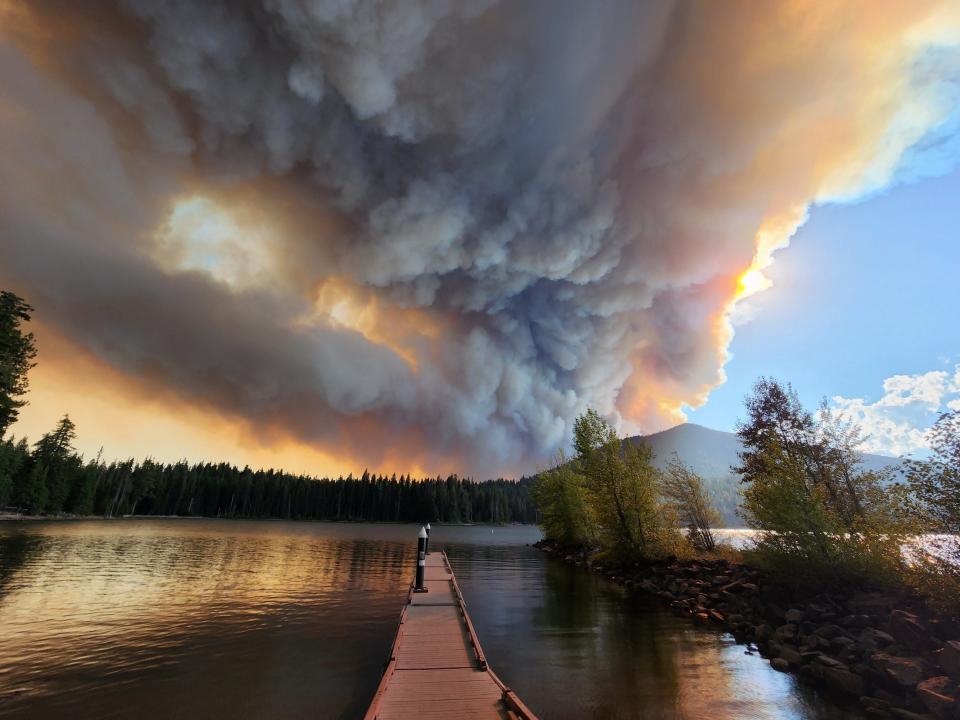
888, 652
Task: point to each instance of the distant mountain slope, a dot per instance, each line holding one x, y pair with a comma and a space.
711, 453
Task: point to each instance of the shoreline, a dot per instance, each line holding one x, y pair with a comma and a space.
886, 651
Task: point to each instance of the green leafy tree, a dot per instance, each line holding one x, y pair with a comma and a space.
623, 493
935, 484
936, 481
560, 496
822, 519
685, 491
17, 352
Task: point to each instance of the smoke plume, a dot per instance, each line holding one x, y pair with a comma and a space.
438, 227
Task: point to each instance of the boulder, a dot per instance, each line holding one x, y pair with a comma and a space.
903, 714
794, 615
842, 680
780, 664
815, 610
950, 659
785, 633
842, 643
763, 633
829, 632
908, 631
828, 661
871, 639
791, 656
649, 586
938, 695
867, 702
904, 672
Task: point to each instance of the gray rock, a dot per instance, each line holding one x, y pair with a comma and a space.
950, 659
908, 631
871, 639
903, 671
649, 586
828, 661
843, 642
780, 664
791, 656
794, 615
938, 695
867, 702
785, 633
842, 680
908, 714
829, 631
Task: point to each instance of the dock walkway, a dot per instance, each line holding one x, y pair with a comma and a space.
437, 670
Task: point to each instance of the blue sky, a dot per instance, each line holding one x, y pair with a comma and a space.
864, 292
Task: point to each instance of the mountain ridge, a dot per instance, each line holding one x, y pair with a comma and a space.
711, 453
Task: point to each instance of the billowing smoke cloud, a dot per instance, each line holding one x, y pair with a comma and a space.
446, 226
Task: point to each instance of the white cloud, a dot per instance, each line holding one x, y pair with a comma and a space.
898, 422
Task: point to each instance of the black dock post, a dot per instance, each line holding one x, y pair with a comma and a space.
427, 547
418, 586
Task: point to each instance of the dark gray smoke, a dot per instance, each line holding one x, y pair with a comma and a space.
563, 192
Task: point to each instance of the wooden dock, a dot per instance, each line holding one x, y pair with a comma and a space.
436, 669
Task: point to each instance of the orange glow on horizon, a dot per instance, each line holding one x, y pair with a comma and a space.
126, 417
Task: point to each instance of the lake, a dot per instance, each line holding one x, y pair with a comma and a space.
182, 618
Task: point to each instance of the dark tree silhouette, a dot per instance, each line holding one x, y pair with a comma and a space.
17, 352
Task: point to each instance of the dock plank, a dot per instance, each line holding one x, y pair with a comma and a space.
435, 671
439, 592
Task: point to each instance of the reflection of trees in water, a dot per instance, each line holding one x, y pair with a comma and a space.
570, 601
16, 550
639, 642
621, 642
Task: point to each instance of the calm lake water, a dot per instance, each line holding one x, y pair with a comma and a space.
232, 619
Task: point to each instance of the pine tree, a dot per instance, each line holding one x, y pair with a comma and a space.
17, 352
54, 454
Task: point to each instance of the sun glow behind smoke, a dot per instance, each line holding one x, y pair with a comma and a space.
751, 282
230, 245
236, 245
